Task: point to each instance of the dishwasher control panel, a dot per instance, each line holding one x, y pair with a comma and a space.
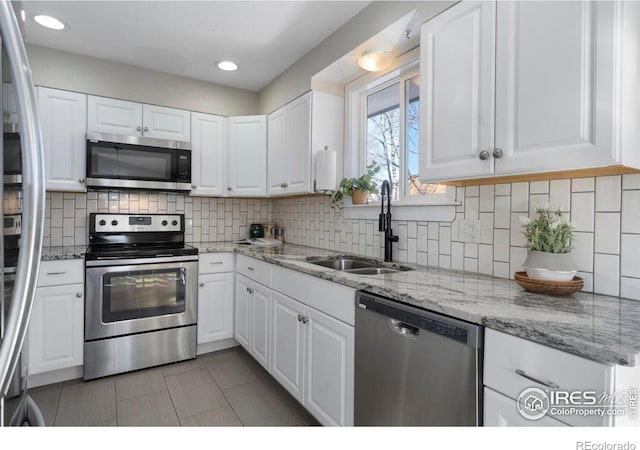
413, 316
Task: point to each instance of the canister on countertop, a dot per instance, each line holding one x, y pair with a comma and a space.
256, 230
269, 229
278, 233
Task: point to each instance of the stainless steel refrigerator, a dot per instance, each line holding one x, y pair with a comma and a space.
22, 214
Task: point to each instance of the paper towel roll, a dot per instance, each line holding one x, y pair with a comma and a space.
325, 171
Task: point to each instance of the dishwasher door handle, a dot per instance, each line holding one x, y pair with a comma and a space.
403, 328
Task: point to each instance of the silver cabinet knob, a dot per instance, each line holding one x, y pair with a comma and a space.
305, 319
228, 188
299, 317
497, 153
146, 128
201, 284
139, 128
81, 180
79, 294
484, 155
193, 186
282, 185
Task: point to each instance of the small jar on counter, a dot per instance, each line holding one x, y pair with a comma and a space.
278, 233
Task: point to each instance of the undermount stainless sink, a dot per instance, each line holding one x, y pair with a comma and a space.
357, 266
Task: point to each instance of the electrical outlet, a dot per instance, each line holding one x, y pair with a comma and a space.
470, 231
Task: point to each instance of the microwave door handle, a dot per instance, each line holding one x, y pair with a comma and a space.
33, 197
183, 276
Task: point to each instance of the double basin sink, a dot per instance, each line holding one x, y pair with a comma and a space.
357, 266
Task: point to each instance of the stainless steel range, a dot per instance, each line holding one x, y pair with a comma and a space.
141, 293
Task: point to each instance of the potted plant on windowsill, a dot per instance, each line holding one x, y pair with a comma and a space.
549, 243
356, 188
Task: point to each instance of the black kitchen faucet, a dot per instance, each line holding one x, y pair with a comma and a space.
384, 222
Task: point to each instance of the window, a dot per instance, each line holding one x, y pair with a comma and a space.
387, 111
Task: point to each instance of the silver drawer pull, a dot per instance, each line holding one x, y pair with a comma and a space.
251, 268
215, 262
56, 273
548, 384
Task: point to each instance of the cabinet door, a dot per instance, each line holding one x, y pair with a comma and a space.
215, 307
554, 85
108, 115
287, 350
298, 161
242, 315
261, 324
457, 62
276, 151
9, 107
501, 411
329, 369
160, 122
63, 118
247, 156
207, 154
56, 329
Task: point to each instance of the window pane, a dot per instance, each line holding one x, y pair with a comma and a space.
383, 135
412, 139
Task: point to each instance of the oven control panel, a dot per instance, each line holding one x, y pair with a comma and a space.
127, 223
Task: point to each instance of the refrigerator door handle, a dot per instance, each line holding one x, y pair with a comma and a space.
33, 197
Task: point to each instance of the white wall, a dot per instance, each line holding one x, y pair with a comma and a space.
296, 80
69, 71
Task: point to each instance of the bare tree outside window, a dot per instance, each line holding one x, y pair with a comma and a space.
384, 143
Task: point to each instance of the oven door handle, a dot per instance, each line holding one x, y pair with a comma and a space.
183, 276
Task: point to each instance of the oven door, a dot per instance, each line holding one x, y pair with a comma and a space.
136, 296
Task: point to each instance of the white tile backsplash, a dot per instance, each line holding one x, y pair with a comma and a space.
608, 193
631, 211
603, 237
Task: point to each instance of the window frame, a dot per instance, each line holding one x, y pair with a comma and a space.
404, 68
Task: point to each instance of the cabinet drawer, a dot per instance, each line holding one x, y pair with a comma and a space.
512, 364
57, 273
254, 269
215, 262
501, 411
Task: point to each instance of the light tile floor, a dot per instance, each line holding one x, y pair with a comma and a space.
225, 388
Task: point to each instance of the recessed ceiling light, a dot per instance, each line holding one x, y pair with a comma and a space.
229, 66
49, 22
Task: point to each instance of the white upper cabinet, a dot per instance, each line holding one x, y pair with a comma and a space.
108, 115
247, 156
208, 154
63, 119
166, 123
297, 131
290, 148
558, 102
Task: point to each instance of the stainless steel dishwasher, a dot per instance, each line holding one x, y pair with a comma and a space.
414, 367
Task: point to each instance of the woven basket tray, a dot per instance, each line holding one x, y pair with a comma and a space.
549, 287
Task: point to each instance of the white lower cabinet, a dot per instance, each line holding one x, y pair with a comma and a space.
312, 354
215, 301
252, 319
215, 307
501, 411
55, 337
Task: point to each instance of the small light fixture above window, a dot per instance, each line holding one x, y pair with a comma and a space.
49, 22
227, 66
375, 60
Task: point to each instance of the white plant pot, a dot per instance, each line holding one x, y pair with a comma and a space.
549, 266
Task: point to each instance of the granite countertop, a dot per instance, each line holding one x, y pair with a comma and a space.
598, 327
58, 253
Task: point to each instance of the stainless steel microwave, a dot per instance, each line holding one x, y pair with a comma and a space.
11, 155
130, 162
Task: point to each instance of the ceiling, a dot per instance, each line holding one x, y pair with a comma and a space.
187, 38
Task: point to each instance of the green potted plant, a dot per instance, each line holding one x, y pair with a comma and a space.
357, 188
549, 243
